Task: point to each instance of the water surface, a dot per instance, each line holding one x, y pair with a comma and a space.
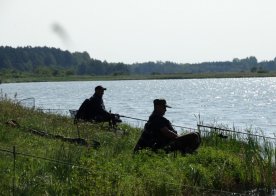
242, 102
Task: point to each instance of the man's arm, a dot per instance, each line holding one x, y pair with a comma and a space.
98, 106
168, 133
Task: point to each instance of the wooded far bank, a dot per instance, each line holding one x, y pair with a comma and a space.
44, 62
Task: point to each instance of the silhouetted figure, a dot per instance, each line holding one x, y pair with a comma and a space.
93, 109
158, 133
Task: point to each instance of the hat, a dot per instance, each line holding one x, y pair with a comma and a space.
161, 102
99, 88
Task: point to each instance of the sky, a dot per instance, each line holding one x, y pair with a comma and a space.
131, 31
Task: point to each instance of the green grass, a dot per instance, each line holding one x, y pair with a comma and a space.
232, 165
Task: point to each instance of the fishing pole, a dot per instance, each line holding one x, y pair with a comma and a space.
210, 127
146, 121
239, 132
189, 128
133, 118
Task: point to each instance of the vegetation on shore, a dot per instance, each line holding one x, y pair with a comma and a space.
36, 64
33, 78
57, 167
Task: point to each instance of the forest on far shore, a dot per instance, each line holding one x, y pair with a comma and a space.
48, 61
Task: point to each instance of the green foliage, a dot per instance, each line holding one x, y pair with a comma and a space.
52, 62
70, 169
44, 61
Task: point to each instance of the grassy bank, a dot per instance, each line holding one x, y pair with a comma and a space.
51, 166
34, 78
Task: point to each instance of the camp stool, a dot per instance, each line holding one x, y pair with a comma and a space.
73, 114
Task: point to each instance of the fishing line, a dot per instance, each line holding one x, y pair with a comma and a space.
132, 118
204, 126
123, 116
189, 128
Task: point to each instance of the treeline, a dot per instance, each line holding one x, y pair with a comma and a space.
55, 62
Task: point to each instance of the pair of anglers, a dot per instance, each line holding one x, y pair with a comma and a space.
158, 132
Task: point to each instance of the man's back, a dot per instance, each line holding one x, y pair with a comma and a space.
155, 124
83, 112
91, 108
97, 107
152, 136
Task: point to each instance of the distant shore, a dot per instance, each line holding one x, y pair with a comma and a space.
5, 79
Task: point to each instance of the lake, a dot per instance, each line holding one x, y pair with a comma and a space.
240, 102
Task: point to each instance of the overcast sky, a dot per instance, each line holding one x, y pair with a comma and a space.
129, 31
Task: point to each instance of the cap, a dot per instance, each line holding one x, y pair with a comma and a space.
161, 102
99, 88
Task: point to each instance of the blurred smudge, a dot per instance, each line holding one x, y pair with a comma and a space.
61, 32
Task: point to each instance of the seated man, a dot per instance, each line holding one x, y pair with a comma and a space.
159, 134
94, 109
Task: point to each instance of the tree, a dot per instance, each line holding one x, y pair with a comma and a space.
236, 61
81, 70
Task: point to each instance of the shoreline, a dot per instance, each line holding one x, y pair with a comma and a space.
223, 164
4, 79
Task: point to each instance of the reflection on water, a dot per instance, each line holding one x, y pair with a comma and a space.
242, 102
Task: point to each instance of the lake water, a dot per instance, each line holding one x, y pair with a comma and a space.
240, 102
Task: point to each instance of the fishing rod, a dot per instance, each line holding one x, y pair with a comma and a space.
232, 131
189, 128
210, 127
132, 118
146, 121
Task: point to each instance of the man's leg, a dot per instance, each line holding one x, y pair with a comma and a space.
186, 143
103, 118
113, 119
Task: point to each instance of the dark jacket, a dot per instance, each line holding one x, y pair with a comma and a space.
152, 136
93, 109
97, 107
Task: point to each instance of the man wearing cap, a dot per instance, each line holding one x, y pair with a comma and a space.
95, 108
159, 134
